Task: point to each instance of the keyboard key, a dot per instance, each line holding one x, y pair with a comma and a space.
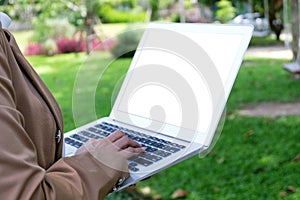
85, 133
69, 141
134, 169
156, 148
80, 138
161, 153
94, 130
150, 149
143, 162
133, 166
151, 157
78, 144
171, 149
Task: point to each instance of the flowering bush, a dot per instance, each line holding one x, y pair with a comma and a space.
45, 29
65, 45
49, 47
97, 45
33, 49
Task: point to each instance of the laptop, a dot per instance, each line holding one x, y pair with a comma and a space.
173, 95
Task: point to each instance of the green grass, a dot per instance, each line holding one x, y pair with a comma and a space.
258, 166
265, 41
60, 73
23, 38
253, 156
262, 80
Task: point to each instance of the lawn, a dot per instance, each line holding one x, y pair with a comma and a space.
253, 158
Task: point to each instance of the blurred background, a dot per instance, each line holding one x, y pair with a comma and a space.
81, 20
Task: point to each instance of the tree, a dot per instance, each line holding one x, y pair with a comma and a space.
294, 67
295, 29
276, 17
225, 11
85, 11
79, 12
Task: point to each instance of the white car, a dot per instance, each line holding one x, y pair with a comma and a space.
261, 25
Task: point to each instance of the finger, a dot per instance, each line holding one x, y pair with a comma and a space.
115, 136
130, 152
125, 142
135, 150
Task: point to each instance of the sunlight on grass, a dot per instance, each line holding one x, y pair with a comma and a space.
241, 166
110, 30
44, 69
253, 158
269, 160
23, 38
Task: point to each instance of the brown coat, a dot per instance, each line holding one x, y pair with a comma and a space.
31, 166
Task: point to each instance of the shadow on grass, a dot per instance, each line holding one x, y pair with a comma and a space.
253, 158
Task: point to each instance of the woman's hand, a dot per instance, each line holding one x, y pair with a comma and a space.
113, 151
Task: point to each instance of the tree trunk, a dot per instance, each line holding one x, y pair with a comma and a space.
182, 11
275, 17
89, 28
295, 27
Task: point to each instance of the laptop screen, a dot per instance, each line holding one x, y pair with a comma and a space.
180, 79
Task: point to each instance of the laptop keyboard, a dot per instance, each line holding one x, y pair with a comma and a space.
156, 148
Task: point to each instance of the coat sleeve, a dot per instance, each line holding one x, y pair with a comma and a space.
77, 177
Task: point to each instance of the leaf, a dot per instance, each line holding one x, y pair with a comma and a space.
291, 189
180, 193
156, 197
283, 194
146, 190
248, 133
297, 158
221, 160
216, 189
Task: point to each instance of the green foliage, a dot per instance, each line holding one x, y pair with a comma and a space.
51, 29
165, 4
251, 160
49, 47
126, 43
121, 4
108, 13
225, 11
175, 17
48, 31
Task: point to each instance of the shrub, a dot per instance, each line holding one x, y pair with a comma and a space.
49, 47
115, 16
96, 45
52, 29
108, 14
65, 45
126, 43
33, 49
225, 11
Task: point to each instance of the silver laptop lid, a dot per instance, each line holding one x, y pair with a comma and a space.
180, 78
